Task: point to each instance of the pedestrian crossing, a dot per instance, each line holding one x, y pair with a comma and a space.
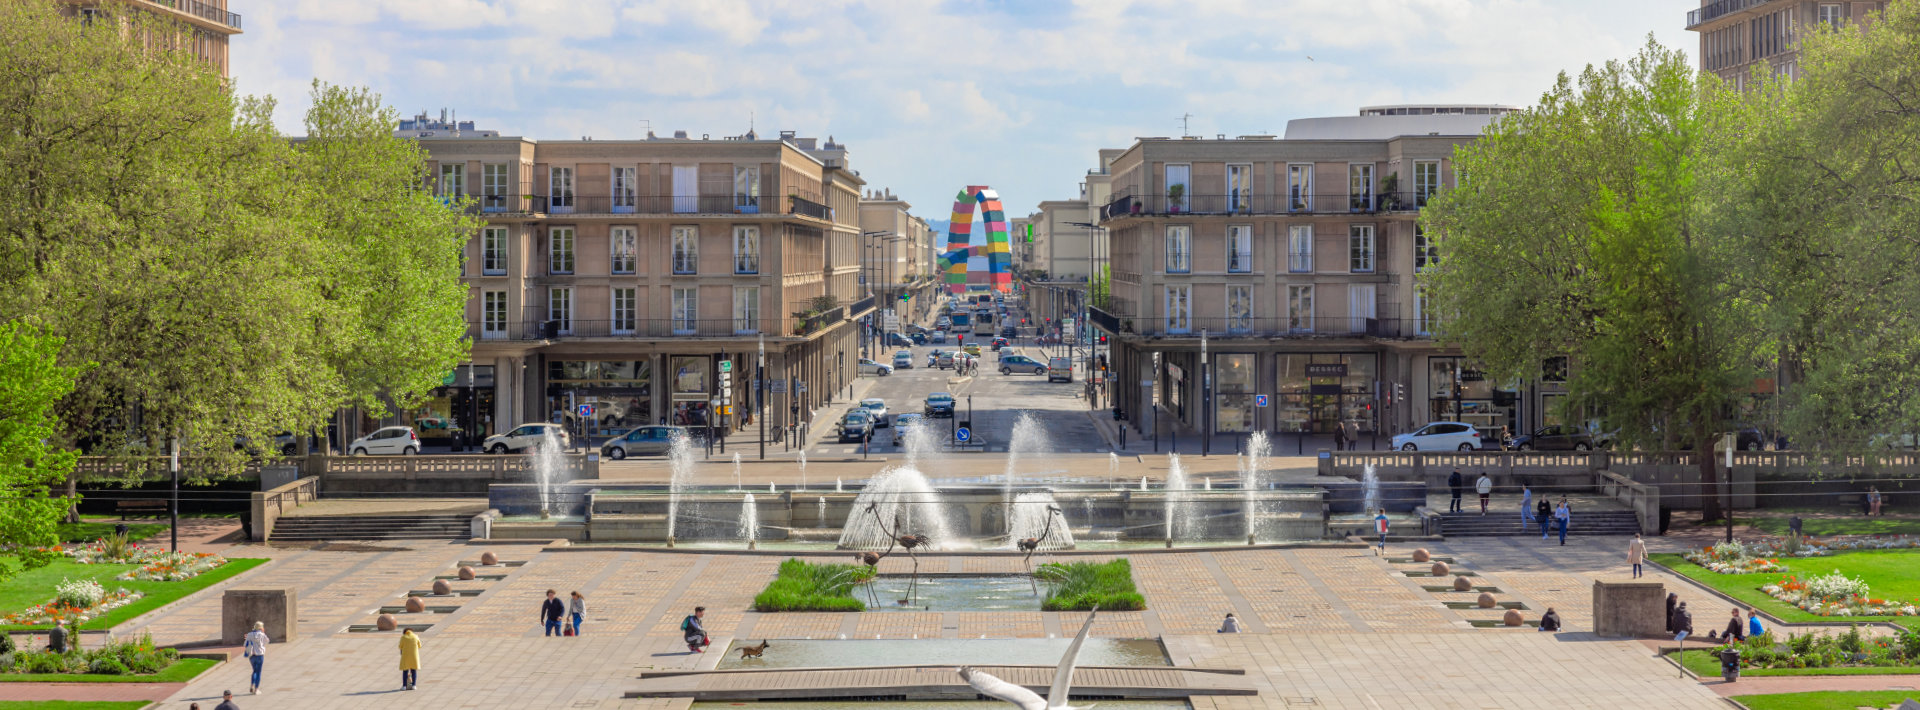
855, 450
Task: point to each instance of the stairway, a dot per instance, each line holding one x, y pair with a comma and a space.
1507, 522
373, 527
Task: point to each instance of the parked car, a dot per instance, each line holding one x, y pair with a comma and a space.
869, 367
1559, 437
939, 404
644, 440
388, 440
898, 339
878, 408
903, 360
1021, 363
943, 359
999, 342
1060, 368
857, 425
920, 338
1008, 332
1439, 436
525, 437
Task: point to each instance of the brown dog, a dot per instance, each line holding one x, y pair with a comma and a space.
747, 652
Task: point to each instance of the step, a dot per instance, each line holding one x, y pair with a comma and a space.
373, 527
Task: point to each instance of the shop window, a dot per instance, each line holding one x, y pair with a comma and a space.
618, 393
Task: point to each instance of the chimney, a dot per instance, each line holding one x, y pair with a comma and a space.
680, 135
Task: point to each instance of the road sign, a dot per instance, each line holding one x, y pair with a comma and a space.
586, 410
962, 434
800, 386
1259, 400
726, 366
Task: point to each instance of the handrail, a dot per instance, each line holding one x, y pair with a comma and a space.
269, 506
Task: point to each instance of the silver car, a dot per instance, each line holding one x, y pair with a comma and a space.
878, 408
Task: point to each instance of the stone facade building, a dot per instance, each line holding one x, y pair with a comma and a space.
209, 22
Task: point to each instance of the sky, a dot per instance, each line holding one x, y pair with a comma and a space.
930, 96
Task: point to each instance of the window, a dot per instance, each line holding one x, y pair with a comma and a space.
623, 190
1360, 248
1831, 15
1239, 308
560, 189
493, 251
1240, 189
1361, 302
1300, 309
1300, 188
686, 250
1239, 248
1177, 188
623, 298
493, 185
560, 308
1179, 248
1554, 369
1426, 180
746, 250
746, 189
1422, 320
1300, 248
1360, 187
560, 250
625, 246
686, 188
1426, 252
746, 309
493, 315
453, 179
686, 310
1179, 309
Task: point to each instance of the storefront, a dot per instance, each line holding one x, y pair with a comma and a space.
453, 416
1234, 375
1457, 393
600, 397
691, 392
1320, 391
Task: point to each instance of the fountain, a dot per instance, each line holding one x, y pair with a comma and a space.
548, 461
1370, 490
1113, 464
1031, 509
1028, 438
736, 471
1143, 483
803, 469
680, 461
918, 440
749, 521
1207, 483
894, 494
1251, 468
836, 486
821, 501
1178, 508
771, 487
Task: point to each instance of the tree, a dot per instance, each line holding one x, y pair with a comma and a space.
1575, 233
31, 384
231, 284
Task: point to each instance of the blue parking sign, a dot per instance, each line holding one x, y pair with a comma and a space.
1259, 400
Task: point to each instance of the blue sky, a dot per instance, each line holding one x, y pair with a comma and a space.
931, 96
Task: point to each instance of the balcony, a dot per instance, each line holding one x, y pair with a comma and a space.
1720, 9
642, 328
808, 208
1246, 204
637, 204
203, 10
1249, 327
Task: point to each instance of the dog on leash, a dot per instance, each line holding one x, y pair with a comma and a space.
747, 652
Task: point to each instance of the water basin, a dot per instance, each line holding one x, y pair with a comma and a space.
923, 705
976, 593
805, 653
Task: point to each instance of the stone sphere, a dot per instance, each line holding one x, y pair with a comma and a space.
1440, 569
489, 559
1462, 584
1421, 555
466, 572
441, 587
1486, 600
1512, 618
386, 623
415, 605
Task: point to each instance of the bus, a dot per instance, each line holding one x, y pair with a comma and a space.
960, 322
983, 318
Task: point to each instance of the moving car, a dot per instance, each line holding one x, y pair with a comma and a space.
389, 440
1439, 436
971, 349
920, 338
1007, 353
939, 404
999, 342
1559, 437
869, 367
644, 440
898, 339
878, 408
939, 338
525, 437
903, 360
1060, 368
1021, 363
1008, 332
857, 425
943, 360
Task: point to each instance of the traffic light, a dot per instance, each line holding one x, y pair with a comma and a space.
1399, 392
1103, 338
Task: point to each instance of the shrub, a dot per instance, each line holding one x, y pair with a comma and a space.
1803, 644
115, 547
1851, 641
79, 595
6, 645
805, 586
1910, 645
1836, 587
107, 665
41, 662
1079, 586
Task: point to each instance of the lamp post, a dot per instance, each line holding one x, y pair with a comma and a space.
866, 266
1206, 393
760, 394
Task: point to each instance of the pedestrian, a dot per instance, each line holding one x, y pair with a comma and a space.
551, 612
1866, 505
1380, 524
696, 632
1873, 501
1682, 621
1753, 623
1563, 516
1672, 600
1454, 483
1229, 626
1636, 554
1339, 436
226, 701
1543, 512
1736, 631
254, 647
577, 609
1353, 436
409, 660
1550, 621
1484, 487
1526, 505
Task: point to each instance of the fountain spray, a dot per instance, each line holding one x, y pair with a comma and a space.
736, 471
680, 460
749, 529
803, 469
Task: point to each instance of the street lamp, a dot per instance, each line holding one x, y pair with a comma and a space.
1093, 272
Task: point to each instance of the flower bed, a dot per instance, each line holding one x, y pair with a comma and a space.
1850, 653
1836, 595
173, 567
69, 605
1737, 558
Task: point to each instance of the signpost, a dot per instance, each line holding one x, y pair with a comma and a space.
962, 435
723, 406
1260, 400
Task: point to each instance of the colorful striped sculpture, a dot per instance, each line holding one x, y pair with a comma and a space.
960, 245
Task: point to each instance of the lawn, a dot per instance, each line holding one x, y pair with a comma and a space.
87, 531
1890, 574
181, 671
805, 586
73, 704
1822, 527
1079, 586
1706, 664
1822, 700
35, 587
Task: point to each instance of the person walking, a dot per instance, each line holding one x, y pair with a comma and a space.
696, 632
1380, 525
1484, 487
1353, 435
1672, 601
409, 660
577, 610
1454, 483
551, 611
1543, 512
1636, 554
1563, 516
1873, 501
1339, 436
254, 647
1230, 625
1526, 505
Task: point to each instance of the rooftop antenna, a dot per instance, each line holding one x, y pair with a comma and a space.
1183, 125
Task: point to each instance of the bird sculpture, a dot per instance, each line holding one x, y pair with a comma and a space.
910, 542
985, 684
1032, 544
868, 558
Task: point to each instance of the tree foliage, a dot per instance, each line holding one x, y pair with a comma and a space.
31, 384
227, 281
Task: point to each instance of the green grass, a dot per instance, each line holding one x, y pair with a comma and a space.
1706, 663
1824, 700
34, 587
73, 704
1821, 527
84, 531
1890, 574
1079, 586
805, 586
181, 671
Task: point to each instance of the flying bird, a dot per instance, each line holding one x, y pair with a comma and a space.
1056, 699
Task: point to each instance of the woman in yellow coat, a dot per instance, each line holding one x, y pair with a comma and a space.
409, 660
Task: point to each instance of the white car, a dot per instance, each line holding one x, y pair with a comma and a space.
525, 437
878, 408
869, 367
390, 440
1440, 436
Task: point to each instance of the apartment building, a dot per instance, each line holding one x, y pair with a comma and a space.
898, 254
626, 282
1063, 239
1737, 35
1293, 263
209, 22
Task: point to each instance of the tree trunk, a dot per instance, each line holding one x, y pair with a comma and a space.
73, 494
1709, 479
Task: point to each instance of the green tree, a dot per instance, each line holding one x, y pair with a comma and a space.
1575, 232
31, 384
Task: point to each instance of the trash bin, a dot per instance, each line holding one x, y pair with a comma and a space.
1730, 663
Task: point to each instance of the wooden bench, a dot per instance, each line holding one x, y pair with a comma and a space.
139, 505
